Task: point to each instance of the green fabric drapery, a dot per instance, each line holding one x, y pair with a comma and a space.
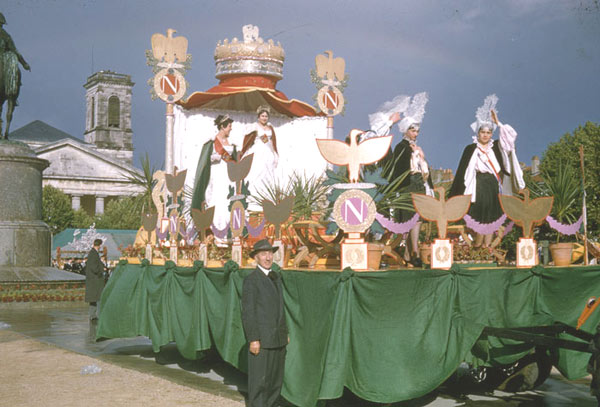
387, 336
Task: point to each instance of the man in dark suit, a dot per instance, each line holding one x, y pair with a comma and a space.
263, 317
94, 279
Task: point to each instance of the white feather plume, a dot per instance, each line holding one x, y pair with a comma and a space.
415, 112
398, 104
483, 113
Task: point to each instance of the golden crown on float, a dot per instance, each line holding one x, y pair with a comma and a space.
251, 56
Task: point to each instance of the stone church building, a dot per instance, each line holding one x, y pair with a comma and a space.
94, 170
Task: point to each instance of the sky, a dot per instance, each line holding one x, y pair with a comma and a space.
541, 57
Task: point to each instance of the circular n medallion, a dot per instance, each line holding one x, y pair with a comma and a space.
237, 219
330, 100
354, 211
169, 85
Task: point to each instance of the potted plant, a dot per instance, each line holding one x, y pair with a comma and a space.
565, 187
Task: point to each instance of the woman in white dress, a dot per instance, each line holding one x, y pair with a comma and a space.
261, 141
211, 185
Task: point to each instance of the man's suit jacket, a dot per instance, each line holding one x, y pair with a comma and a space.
263, 314
94, 277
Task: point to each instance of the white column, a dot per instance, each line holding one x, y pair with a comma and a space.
75, 202
169, 139
100, 204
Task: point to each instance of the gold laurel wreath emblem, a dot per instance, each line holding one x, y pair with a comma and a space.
442, 254
527, 252
354, 256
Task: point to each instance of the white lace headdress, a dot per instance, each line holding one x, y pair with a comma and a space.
415, 112
483, 115
380, 118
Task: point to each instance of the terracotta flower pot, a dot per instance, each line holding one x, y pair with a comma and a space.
426, 253
561, 253
375, 251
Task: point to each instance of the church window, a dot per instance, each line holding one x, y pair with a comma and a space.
93, 113
114, 111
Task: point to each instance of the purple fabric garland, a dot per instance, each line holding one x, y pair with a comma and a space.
220, 233
161, 236
254, 232
398, 228
484, 228
562, 228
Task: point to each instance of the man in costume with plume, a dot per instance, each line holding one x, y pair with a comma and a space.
488, 167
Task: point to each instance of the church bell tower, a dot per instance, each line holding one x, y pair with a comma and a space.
108, 114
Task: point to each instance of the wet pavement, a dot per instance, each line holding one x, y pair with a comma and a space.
68, 327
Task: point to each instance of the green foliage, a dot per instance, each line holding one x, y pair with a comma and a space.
120, 214
81, 219
566, 151
143, 202
56, 209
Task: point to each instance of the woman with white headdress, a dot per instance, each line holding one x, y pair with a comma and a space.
408, 156
488, 167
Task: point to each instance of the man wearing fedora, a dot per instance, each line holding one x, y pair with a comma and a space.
263, 318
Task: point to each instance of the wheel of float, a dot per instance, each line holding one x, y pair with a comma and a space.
528, 373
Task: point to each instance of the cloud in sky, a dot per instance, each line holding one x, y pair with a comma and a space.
540, 56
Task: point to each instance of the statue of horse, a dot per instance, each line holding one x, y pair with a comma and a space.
10, 76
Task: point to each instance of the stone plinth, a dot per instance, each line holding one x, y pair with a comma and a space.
25, 240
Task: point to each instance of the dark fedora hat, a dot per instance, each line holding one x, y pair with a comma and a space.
262, 246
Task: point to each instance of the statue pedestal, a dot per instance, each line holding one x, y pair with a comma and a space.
149, 251
526, 253
24, 239
441, 254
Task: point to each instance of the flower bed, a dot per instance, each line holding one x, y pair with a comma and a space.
42, 292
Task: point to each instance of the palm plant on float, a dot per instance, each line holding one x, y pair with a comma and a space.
565, 187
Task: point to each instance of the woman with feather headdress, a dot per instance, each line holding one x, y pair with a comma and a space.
488, 167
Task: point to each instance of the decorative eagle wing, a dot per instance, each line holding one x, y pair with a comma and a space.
457, 207
277, 214
237, 171
168, 47
321, 62
373, 149
175, 181
334, 151
526, 213
428, 207
339, 66
203, 219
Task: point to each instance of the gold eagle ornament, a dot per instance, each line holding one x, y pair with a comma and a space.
278, 213
330, 67
524, 212
202, 220
441, 211
169, 48
356, 154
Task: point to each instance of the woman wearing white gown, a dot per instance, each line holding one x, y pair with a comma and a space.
211, 185
261, 141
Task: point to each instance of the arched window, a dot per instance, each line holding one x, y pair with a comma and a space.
93, 113
114, 111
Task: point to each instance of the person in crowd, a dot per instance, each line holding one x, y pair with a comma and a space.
263, 319
94, 280
487, 168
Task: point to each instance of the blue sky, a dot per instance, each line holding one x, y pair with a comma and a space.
541, 57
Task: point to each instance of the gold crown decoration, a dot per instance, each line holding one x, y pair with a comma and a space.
251, 56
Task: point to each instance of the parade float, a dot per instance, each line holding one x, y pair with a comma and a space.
386, 335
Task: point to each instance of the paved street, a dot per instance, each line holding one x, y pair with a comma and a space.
67, 327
